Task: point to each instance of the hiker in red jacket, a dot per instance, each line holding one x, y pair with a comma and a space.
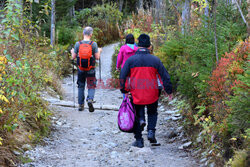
144, 69
126, 51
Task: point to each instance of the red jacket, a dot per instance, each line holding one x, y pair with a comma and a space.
142, 70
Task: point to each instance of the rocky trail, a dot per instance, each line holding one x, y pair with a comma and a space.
83, 139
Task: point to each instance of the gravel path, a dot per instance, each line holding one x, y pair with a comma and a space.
83, 139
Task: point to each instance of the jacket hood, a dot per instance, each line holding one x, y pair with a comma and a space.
129, 50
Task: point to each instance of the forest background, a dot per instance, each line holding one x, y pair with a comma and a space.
204, 44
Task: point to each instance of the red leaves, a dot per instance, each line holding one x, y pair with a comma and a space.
224, 79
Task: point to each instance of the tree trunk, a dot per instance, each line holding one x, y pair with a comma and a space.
242, 15
72, 11
157, 11
215, 36
53, 28
206, 13
140, 4
248, 17
186, 16
121, 5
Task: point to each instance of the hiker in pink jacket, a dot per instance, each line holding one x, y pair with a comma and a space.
126, 51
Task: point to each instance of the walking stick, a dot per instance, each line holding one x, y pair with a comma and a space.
73, 71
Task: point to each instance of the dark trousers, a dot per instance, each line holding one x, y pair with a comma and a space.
140, 114
142, 111
91, 84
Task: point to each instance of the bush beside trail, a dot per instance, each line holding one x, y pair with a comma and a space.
28, 66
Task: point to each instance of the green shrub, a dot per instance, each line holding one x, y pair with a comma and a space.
240, 159
82, 16
239, 105
191, 60
66, 35
103, 18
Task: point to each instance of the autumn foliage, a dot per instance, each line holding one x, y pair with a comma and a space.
225, 78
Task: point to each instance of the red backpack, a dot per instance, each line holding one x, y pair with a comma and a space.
85, 61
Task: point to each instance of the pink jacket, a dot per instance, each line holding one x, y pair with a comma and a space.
124, 53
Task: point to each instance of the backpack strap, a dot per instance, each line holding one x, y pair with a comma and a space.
91, 42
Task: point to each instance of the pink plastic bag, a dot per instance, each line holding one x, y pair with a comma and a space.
126, 116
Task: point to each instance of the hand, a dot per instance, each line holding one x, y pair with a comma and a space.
170, 97
100, 50
128, 94
72, 51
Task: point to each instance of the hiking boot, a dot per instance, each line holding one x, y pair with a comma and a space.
142, 124
151, 136
90, 104
81, 107
138, 143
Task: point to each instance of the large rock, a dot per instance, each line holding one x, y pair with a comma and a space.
185, 145
175, 118
110, 107
171, 111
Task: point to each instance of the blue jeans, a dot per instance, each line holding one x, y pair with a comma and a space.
82, 77
140, 115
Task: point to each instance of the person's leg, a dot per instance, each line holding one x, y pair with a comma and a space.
91, 84
81, 79
137, 127
160, 90
142, 119
152, 120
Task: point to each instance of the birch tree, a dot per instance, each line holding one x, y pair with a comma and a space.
186, 16
206, 9
157, 11
248, 18
72, 11
140, 4
241, 13
121, 5
215, 33
53, 28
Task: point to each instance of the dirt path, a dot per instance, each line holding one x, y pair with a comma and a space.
83, 139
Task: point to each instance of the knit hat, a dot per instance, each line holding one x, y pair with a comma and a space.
144, 41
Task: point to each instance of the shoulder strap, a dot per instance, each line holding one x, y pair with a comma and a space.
80, 42
91, 42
